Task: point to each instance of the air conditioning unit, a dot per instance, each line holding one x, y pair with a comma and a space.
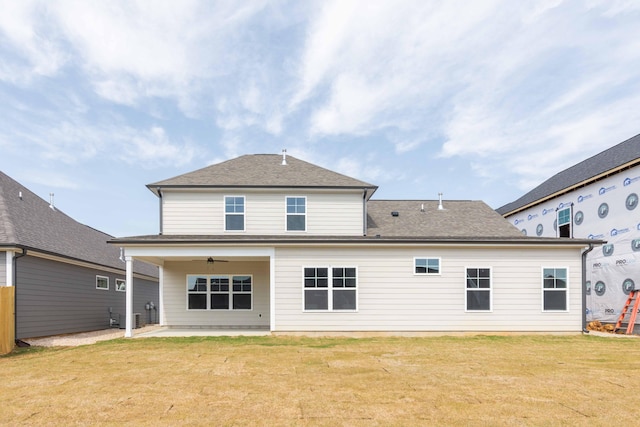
137, 320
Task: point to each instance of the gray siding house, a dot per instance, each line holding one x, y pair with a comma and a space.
264, 241
66, 277
597, 198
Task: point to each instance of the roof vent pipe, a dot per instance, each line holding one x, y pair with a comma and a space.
284, 157
440, 207
51, 205
422, 207
20, 194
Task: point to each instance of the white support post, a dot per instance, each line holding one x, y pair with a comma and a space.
9, 268
161, 295
128, 333
272, 292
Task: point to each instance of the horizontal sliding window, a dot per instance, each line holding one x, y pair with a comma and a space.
426, 265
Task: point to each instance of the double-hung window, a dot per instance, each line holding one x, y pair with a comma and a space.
296, 213
426, 266
554, 289
121, 285
564, 222
478, 294
330, 288
234, 210
219, 292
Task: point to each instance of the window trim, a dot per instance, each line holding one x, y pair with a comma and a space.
123, 282
286, 214
439, 273
569, 222
467, 289
98, 277
208, 292
543, 289
244, 213
330, 289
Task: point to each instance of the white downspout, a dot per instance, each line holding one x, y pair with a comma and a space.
272, 291
128, 333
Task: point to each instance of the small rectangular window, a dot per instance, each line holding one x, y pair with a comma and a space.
426, 266
121, 285
478, 295
102, 283
296, 213
234, 211
554, 289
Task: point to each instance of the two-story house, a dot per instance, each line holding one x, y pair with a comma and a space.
595, 198
274, 242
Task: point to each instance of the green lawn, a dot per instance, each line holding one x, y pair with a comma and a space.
477, 380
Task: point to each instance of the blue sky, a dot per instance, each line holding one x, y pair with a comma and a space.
480, 100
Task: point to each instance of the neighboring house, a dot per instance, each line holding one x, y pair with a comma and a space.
264, 241
594, 199
66, 276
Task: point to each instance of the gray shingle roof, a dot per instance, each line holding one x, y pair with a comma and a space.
263, 170
30, 222
459, 218
625, 154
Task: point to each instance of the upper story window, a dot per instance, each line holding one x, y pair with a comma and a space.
234, 213
296, 213
426, 266
564, 222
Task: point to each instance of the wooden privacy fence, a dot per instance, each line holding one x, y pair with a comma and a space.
7, 330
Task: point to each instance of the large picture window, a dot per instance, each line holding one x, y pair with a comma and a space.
296, 213
234, 213
219, 292
478, 295
554, 289
330, 288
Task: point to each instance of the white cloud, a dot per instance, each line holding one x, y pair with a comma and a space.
152, 148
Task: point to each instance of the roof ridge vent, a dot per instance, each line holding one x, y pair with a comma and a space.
440, 207
284, 157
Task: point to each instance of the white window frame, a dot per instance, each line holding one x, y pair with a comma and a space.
121, 285
566, 289
330, 289
208, 292
569, 222
243, 213
101, 287
426, 273
287, 214
489, 289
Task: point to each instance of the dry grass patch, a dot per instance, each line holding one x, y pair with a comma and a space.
521, 380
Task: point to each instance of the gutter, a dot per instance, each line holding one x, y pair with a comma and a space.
584, 288
17, 341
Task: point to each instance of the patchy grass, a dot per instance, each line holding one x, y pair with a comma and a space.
480, 380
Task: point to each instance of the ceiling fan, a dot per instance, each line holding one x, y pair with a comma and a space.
211, 261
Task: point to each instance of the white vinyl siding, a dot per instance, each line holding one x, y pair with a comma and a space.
392, 298
176, 312
200, 212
